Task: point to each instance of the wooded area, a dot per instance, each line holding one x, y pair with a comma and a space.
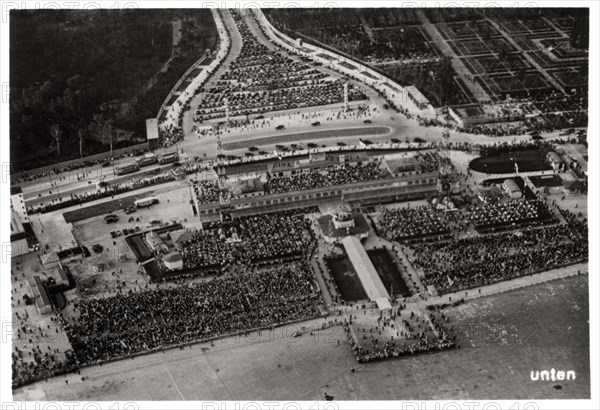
79, 76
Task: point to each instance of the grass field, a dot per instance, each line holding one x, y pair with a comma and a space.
527, 160
388, 272
346, 279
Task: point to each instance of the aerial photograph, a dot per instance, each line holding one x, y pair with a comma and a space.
307, 204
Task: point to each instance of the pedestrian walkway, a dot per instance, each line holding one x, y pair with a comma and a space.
366, 272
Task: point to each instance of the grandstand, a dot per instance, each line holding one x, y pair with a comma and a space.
369, 192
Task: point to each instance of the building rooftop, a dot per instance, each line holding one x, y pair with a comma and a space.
397, 164
554, 157
40, 294
247, 186
173, 257
49, 258
511, 185
179, 236
16, 226
361, 226
416, 94
59, 274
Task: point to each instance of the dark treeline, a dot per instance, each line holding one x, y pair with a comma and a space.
80, 75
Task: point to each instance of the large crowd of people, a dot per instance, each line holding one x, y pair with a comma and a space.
508, 214
206, 191
261, 80
317, 178
126, 324
40, 356
410, 342
550, 113
252, 239
401, 224
367, 34
472, 262
170, 135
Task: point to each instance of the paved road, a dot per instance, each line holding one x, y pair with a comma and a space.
206, 146
236, 46
309, 136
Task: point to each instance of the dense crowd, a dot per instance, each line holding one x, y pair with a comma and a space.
408, 223
170, 135
260, 80
324, 177
122, 325
431, 161
369, 35
253, 239
509, 213
38, 358
411, 342
206, 191
477, 261
552, 113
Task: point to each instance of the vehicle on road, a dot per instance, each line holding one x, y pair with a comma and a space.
147, 159
280, 127
128, 168
144, 202
111, 219
316, 123
367, 121
168, 158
